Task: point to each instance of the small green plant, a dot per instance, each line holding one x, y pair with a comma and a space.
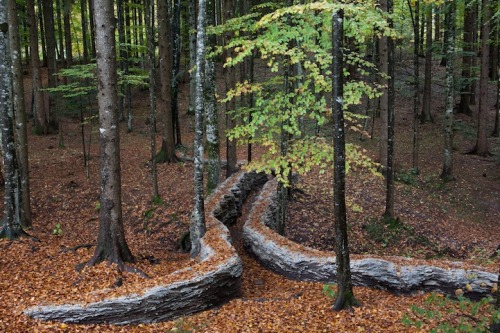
97, 206
57, 231
408, 177
157, 200
443, 314
329, 290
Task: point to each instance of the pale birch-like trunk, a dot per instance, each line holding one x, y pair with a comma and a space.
447, 172
192, 54
198, 227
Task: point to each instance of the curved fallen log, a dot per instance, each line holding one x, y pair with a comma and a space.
303, 263
213, 280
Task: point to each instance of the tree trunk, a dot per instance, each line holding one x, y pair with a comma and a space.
467, 58
481, 147
426, 102
212, 118
149, 4
123, 56
389, 175
11, 224
192, 54
20, 131
416, 86
475, 37
50, 42
67, 33
167, 153
111, 243
198, 227
230, 78
85, 30
39, 112
493, 41
447, 172
345, 295
383, 63
60, 37
42, 32
176, 28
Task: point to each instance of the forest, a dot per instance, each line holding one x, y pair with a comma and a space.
250, 166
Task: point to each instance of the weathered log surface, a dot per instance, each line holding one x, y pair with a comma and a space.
303, 263
208, 288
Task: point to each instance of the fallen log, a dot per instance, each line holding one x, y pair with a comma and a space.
214, 279
303, 263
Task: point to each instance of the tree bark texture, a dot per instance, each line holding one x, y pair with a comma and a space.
447, 171
212, 119
383, 68
481, 147
467, 57
50, 42
299, 262
192, 54
345, 295
11, 226
167, 153
68, 43
389, 175
207, 286
149, 6
111, 244
198, 226
20, 131
427, 94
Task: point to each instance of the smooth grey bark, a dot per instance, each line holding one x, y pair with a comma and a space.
481, 147
389, 174
416, 85
198, 228
345, 295
467, 59
40, 114
192, 54
167, 153
427, 95
20, 131
11, 224
50, 42
447, 171
148, 4
111, 244
85, 30
176, 63
68, 44
212, 119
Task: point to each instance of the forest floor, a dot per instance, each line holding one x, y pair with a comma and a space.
458, 221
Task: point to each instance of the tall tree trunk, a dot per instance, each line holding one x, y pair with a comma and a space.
475, 46
50, 41
122, 49
92, 29
481, 147
383, 68
192, 54
345, 295
198, 227
167, 153
42, 33
447, 172
426, 99
212, 118
39, 112
230, 78
493, 41
149, 4
85, 30
389, 175
67, 33
11, 224
111, 243
416, 85
60, 37
176, 42
20, 131
467, 57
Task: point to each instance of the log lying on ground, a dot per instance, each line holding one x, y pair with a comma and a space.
213, 280
303, 263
